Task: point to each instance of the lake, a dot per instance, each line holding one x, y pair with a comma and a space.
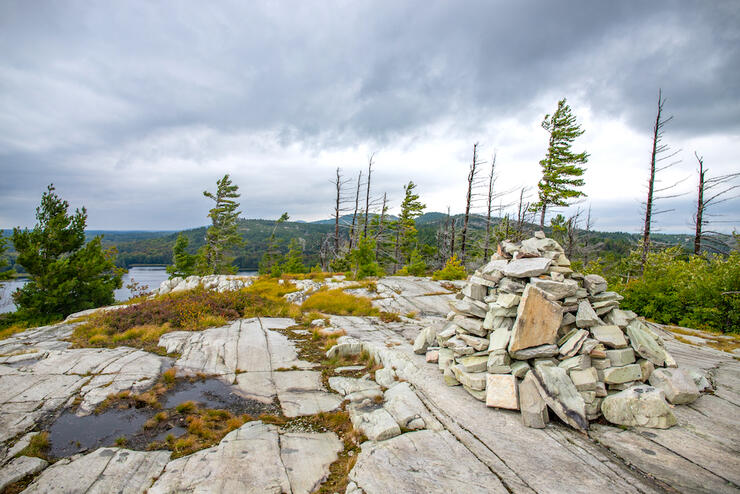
145, 275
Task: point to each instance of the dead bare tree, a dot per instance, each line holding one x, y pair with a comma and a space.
367, 194
354, 215
715, 188
339, 201
522, 215
489, 207
660, 153
472, 183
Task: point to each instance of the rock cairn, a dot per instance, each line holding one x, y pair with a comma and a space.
527, 333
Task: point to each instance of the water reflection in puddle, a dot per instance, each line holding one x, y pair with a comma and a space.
70, 434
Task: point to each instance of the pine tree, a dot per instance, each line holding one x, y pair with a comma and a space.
272, 254
66, 274
294, 260
183, 263
222, 236
406, 238
560, 169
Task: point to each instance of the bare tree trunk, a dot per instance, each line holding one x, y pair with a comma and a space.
381, 227
354, 215
471, 177
452, 237
542, 217
651, 183
398, 245
699, 207
490, 207
338, 184
367, 195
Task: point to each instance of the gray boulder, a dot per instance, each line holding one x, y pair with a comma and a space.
678, 386
639, 406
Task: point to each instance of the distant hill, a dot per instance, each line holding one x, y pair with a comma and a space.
155, 247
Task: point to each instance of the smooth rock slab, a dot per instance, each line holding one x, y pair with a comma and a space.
19, 468
307, 457
610, 336
301, 393
642, 406
406, 408
246, 460
645, 343
422, 462
104, 470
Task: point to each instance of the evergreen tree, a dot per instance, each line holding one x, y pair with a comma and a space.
183, 263
406, 234
560, 169
222, 236
364, 260
6, 274
66, 274
272, 254
294, 260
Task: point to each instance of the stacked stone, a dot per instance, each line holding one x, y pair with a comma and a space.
527, 333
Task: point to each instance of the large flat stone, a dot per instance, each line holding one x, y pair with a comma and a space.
307, 457
246, 460
374, 421
501, 391
301, 393
526, 267
103, 470
645, 343
533, 407
537, 321
422, 462
19, 468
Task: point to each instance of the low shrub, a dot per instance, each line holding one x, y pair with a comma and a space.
453, 270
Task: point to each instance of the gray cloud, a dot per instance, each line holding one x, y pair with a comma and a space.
91, 93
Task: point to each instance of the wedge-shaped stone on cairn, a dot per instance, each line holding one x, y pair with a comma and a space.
619, 375
475, 291
501, 391
519, 368
494, 266
531, 404
642, 340
647, 368
579, 362
479, 344
621, 356
445, 358
468, 308
471, 325
556, 290
678, 386
508, 300
474, 380
610, 336
541, 351
585, 380
537, 321
498, 362
526, 267
509, 285
586, 317
561, 395
499, 339
449, 377
594, 284
640, 406
571, 346
478, 394
589, 345
474, 363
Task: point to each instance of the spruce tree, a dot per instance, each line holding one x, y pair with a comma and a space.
560, 169
406, 237
66, 274
183, 264
294, 260
222, 236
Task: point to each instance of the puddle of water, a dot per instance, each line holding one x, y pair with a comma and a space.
70, 434
211, 393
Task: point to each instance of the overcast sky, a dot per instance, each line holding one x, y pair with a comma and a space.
132, 109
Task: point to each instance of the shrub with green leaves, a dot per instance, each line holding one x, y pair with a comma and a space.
453, 270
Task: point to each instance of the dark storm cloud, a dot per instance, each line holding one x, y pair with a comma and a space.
78, 79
